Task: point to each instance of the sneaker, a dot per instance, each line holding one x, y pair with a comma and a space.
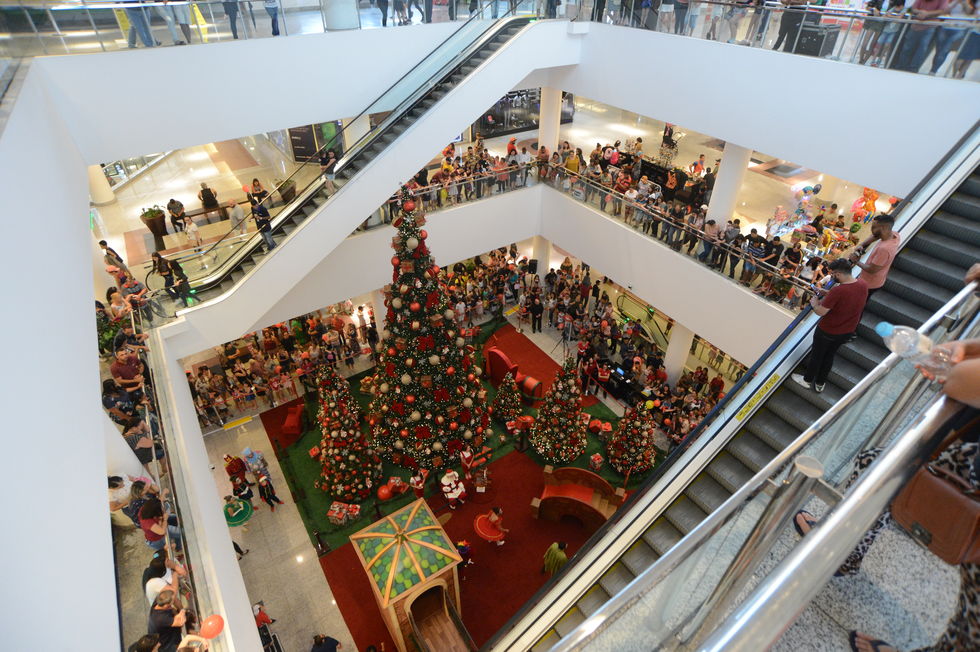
799, 380
819, 387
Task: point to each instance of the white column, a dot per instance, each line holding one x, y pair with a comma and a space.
541, 250
354, 129
120, 458
99, 190
734, 164
378, 304
549, 121
340, 14
678, 350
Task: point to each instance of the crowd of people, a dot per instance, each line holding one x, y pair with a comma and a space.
275, 365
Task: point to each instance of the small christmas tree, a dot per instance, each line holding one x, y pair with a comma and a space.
350, 467
630, 448
507, 405
558, 434
428, 400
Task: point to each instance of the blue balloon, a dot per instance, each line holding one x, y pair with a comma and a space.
817, 188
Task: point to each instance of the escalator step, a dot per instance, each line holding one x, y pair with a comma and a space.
846, 374
706, 493
684, 514
593, 600
930, 269
898, 310
550, 640
971, 186
729, 472
963, 204
770, 428
615, 579
572, 619
662, 536
864, 352
639, 557
824, 400
955, 226
945, 248
797, 411
919, 291
750, 451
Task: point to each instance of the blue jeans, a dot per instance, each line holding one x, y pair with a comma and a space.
274, 15
140, 25
708, 247
915, 48
267, 237
947, 38
173, 531
231, 11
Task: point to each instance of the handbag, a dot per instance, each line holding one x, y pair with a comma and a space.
941, 510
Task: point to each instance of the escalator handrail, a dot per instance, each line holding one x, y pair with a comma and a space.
721, 515
351, 153
657, 473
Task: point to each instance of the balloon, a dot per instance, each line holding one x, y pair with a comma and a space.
246, 189
384, 492
808, 189
212, 626
817, 188
649, 405
666, 422
604, 323
656, 403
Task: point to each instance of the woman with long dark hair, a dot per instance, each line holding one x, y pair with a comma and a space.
174, 279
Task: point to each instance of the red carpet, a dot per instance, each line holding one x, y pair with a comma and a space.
487, 603
272, 422
529, 359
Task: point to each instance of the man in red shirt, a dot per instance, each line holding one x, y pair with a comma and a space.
840, 311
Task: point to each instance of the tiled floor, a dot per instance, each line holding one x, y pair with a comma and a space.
281, 568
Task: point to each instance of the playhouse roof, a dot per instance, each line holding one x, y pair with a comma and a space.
403, 550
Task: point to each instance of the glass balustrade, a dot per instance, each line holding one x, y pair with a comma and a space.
894, 39
678, 601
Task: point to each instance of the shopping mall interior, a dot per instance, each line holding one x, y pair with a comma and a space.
529, 326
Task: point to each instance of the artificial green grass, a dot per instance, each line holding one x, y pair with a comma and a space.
302, 471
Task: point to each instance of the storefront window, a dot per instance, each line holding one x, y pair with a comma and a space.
519, 111
119, 172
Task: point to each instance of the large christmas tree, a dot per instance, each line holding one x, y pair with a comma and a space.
558, 434
350, 467
630, 447
427, 394
507, 404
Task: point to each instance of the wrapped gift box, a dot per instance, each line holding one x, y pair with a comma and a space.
342, 513
596, 462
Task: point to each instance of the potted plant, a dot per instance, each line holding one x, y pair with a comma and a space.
155, 221
287, 189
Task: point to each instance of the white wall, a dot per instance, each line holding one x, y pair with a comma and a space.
722, 312
362, 263
254, 296
119, 104
56, 552
880, 128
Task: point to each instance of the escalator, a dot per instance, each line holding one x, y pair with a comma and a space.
927, 272
415, 93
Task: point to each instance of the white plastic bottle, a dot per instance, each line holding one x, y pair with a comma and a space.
915, 347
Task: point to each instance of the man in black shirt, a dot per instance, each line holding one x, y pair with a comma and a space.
166, 621
324, 643
536, 311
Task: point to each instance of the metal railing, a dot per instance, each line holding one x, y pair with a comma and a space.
893, 39
716, 560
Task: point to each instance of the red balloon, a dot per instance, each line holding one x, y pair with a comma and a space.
408, 206
212, 626
384, 492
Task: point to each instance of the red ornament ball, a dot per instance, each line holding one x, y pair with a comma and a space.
404, 432
392, 351
384, 492
410, 398
470, 377
453, 425
396, 261
415, 306
424, 234
408, 206
450, 370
